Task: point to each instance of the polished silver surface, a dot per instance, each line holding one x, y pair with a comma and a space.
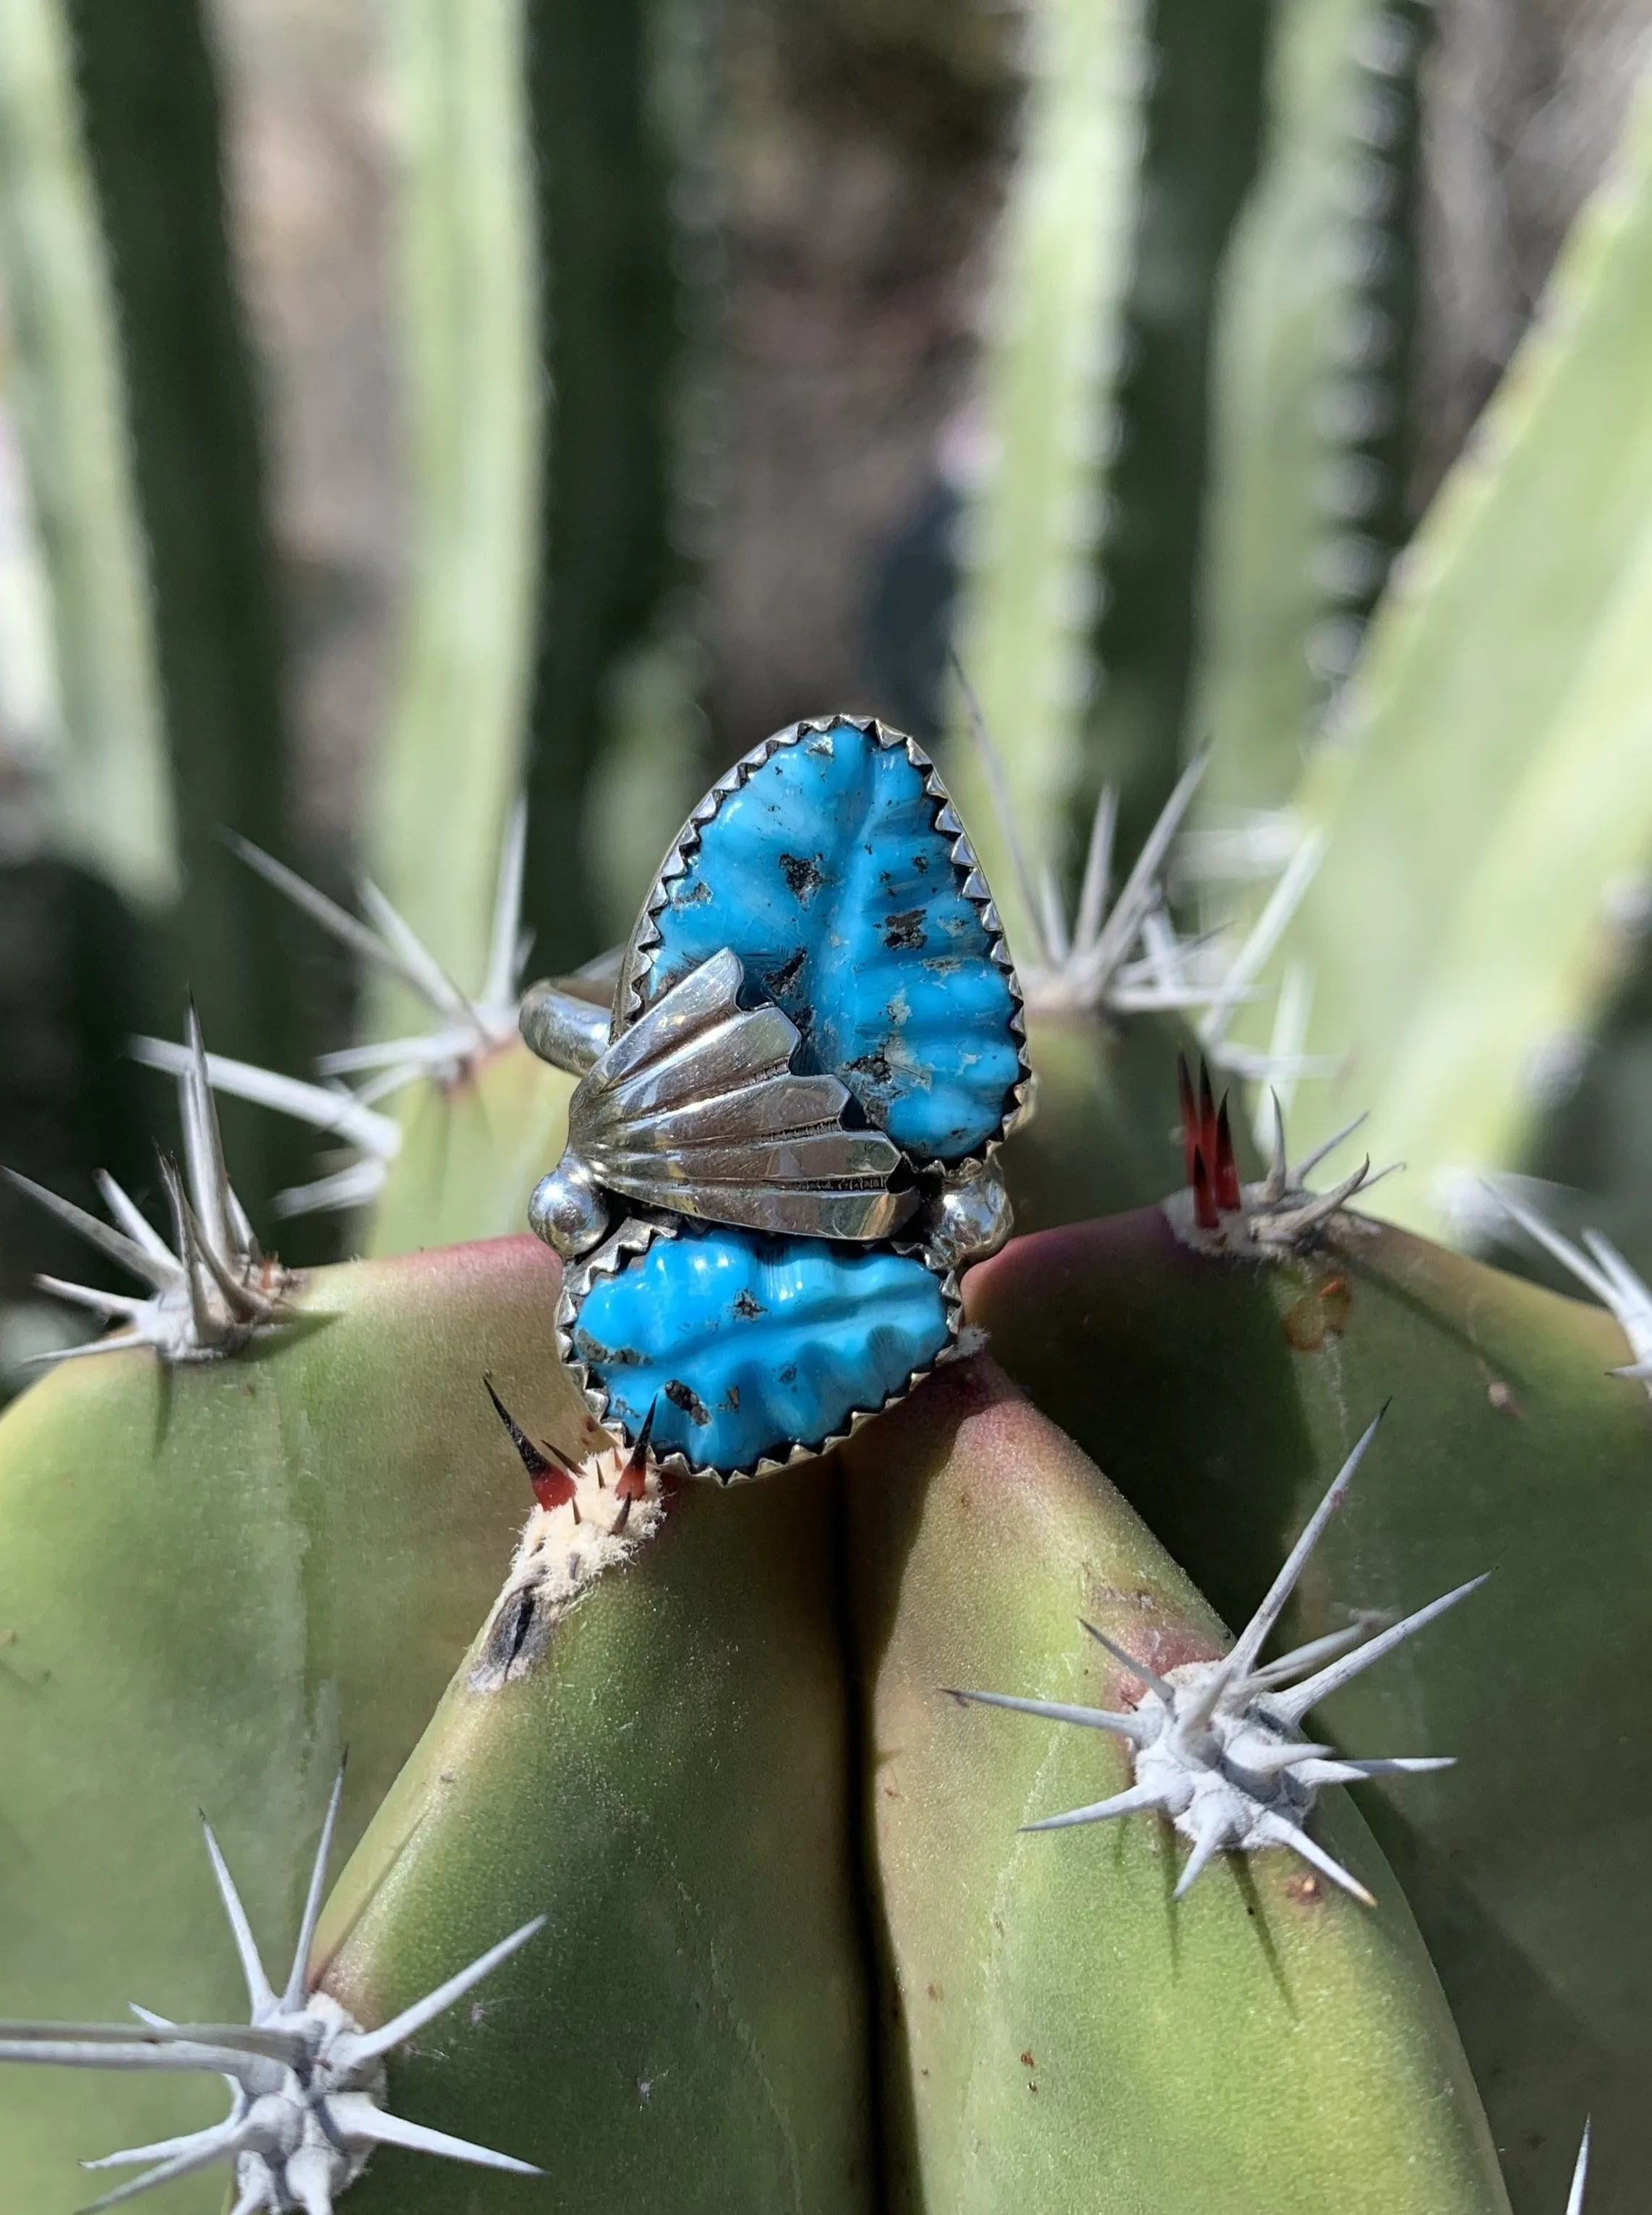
696, 1108
969, 1218
568, 1211
560, 1028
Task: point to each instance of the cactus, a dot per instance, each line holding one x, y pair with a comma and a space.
1518, 904
553, 1774
1243, 1356
467, 292
1307, 490
324, 1476
115, 807
308, 2090
1050, 386
656, 1755
150, 119
1106, 990
1006, 1956
480, 1113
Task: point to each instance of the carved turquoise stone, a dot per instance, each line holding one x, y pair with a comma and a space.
745, 1345
825, 874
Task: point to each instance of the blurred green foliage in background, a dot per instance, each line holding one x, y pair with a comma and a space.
668, 369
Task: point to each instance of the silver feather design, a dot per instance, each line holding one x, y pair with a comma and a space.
696, 1107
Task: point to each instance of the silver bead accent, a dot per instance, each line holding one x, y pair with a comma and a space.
568, 1211
970, 1219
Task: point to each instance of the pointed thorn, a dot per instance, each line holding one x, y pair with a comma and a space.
352, 2049
141, 1259
297, 1977
1135, 1728
1293, 1705
1228, 1198
1251, 1640
210, 2147
1281, 1831
633, 1477
1204, 1200
1206, 1847
1136, 1801
553, 1487
259, 1991
1138, 1669
1207, 1113
364, 2120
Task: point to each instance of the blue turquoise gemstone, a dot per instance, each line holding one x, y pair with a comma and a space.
825, 874
744, 1344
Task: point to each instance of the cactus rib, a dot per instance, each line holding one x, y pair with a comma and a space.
1484, 790
307, 2084
1311, 312
1216, 1745
114, 802
1048, 387
212, 1289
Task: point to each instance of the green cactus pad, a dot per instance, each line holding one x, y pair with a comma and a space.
1048, 389
1309, 414
213, 1578
745, 1870
1059, 2034
1485, 805
667, 1781
1228, 1392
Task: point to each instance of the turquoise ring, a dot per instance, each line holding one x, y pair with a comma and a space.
781, 1150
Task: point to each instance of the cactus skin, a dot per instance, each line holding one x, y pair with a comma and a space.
115, 802
1099, 1140
1229, 1392
1486, 797
472, 391
469, 1151
668, 1782
1313, 314
214, 1578
1265, 2044
1048, 387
